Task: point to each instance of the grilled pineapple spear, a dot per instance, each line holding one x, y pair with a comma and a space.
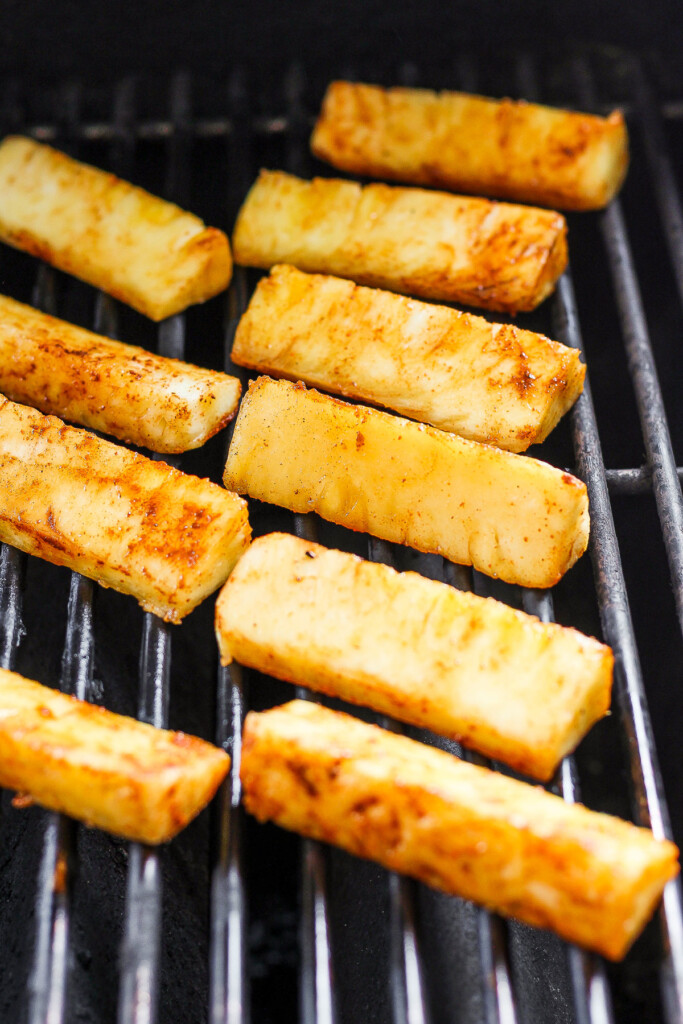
516, 849
139, 248
163, 404
508, 515
514, 150
139, 526
472, 669
492, 383
105, 769
410, 240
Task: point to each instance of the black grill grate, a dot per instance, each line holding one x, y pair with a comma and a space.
94, 930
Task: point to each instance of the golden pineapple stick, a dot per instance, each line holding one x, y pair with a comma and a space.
164, 404
139, 248
128, 522
430, 244
492, 383
514, 848
508, 515
453, 140
469, 668
104, 769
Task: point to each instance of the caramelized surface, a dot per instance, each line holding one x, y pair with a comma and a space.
508, 515
139, 248
453, 140
516, 849
139, 526
492, 383
107, 770
469, 668
428, 244
163, 404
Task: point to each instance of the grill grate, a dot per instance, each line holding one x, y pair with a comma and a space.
204, 929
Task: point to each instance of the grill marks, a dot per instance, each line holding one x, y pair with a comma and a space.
131, 129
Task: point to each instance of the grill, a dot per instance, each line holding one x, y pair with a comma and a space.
234, 921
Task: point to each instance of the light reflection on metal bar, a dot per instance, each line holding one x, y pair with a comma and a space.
592, 996
617, 627
228, 954
47, 987
141, 946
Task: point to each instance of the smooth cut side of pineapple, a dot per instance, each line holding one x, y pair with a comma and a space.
139, 397
492, 383
430, 244
516, 849
508, 515
104, 769
507, 148
141, 249
469, 668
139, 526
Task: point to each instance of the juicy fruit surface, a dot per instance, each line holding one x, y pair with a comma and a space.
593, 878
492, 383
105, 769
508, 515
131, 523
164, 404
137, 247
428, 244
469, 668
512, 149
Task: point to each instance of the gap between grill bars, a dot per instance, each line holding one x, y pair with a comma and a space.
249, 135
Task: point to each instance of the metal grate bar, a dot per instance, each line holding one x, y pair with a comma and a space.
661, 169
405, 972
498, 994
12, 563
240, 159
158, 129
48, 979
141, 947
178, 163
650, 802
229, 997
140, 944
405, 969
499, 997
123, 128
140, 952
660, 456
316, 991
633, 481
592, 997
47, 989
229, 988
317, 1002
638, 481
499, 1002
666, 485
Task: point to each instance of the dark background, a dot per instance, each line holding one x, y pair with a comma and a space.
99, 41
